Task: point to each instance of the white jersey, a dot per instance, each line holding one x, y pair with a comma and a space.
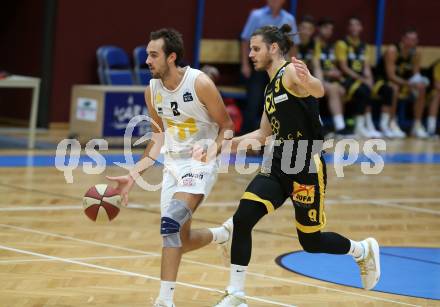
185, 118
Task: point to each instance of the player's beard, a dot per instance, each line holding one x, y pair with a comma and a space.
265, 63
160, 71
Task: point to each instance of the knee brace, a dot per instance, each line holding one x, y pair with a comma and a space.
172, 220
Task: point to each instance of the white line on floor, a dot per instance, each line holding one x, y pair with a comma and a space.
203, 264
128, 273
80, 258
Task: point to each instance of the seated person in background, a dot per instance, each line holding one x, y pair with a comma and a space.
400, 65
433, 94
324, 68
352, 59
212, 72
306, 46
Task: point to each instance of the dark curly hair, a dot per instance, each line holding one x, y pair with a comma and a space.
173, 42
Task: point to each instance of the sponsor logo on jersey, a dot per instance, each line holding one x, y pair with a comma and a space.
187, 97
193, 175
280, 98
189, 179
281, 72
158, 98
303, 193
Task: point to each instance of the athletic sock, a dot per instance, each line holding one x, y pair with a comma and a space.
166, 292
338, 121
431, 124
219, 234
237, 278
357, 250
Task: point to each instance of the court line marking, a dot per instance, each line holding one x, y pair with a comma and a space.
75, 258
378, 202
385, 203
392, 200
129, 273
205, 264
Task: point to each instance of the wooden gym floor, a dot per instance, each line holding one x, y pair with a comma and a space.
51, 255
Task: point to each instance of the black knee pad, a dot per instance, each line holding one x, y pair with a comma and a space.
310, 242
249, 212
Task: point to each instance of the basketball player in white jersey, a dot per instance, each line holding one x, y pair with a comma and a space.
187, 108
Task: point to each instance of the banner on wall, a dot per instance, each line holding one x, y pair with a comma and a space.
120, 108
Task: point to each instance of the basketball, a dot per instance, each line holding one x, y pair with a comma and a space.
101, 203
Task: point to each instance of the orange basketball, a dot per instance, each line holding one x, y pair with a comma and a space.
101, 203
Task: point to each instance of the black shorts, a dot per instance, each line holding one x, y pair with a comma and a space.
351, 86
305, 189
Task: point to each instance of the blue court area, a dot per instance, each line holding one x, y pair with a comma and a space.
110, 159
410, 271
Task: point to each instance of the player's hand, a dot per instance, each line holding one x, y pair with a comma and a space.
124, 184
204, 153
301, 70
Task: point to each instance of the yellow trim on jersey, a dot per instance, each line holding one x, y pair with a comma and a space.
353, 88
367, 56
376, 88
436, 72
317, 50
292, 92
321, 184
276, 73
322, 219
341, 50
251, 196
309, 229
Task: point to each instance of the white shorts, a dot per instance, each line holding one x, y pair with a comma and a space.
186, 175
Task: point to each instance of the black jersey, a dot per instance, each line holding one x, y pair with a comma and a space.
305, 53
292, 117
354, 52
325, 53
404, 65
433, 74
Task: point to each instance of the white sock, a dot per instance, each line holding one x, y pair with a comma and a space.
338, 121
219, 234
417, 123
431, 124
237, 278
166, 292
384, 120
357, 250
369, 121
360, 122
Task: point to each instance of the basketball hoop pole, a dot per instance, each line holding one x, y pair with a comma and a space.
198, 32
380, 23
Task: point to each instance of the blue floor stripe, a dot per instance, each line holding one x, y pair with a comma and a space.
49, 160
409, 271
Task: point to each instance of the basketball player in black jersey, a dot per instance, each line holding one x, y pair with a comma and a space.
291, 116
433, 94
400, 65
353, 61
306, 46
